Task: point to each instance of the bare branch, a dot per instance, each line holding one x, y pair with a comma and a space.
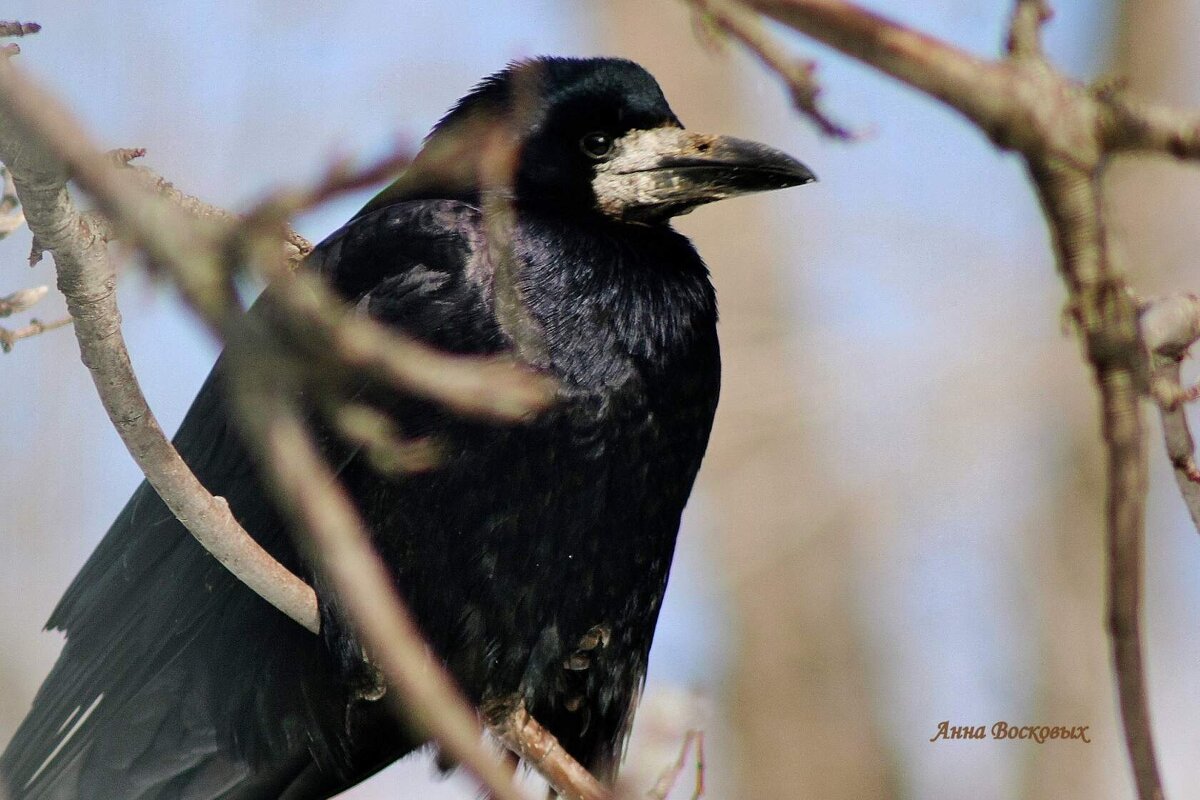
1133, 125
296, 247
320, 510
523, 735
1170, 326
1025, 28
385, 447
1180, 444
12, 218
701, 764
797, 73
19, 28
22, 300
85, 277
339, 178
196, 251
670, 776
8, 338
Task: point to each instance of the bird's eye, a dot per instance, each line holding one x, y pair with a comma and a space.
597, 144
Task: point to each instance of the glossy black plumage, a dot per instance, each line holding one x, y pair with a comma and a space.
535, 557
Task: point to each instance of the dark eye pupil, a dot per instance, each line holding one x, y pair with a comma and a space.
596, 145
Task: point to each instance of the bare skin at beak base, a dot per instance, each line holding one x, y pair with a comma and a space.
656, 174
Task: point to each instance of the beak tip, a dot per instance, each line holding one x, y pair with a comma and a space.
801, 175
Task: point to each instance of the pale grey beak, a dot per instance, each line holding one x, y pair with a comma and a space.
652, 175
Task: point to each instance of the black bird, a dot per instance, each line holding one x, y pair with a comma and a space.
534, 557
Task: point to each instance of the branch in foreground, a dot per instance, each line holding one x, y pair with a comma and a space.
86, 279
320, 510
195, 254
197, 251
176, 233
523, 735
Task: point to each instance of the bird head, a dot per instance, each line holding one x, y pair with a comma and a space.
584, 136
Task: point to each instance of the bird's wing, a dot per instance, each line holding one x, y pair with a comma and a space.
176, 681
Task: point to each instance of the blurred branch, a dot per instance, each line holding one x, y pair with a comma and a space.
798, 73
86, 279
1136, 125
1064, 131
8, 338
18, 28
21, 300
296, 247
1025, 28
322, 512
195, 243
11, 216
670, 776
1170, 326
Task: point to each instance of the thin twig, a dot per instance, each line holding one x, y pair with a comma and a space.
797, 73
388, 451
1180, 444
22, 300
296, 246
19, 28
8, 338
340, 177
197, 251
1134, 125
701, 763
496, 388
523, 735
670, 775
1025, 28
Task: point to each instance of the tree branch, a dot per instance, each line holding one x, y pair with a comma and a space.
1064, 132
797, 73
86, 279
523, 735
195, 248
323, 514
670, 776
1170, 326
22, 300
9, 338
18, 28
1025, 28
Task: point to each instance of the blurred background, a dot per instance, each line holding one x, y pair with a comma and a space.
899, 520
